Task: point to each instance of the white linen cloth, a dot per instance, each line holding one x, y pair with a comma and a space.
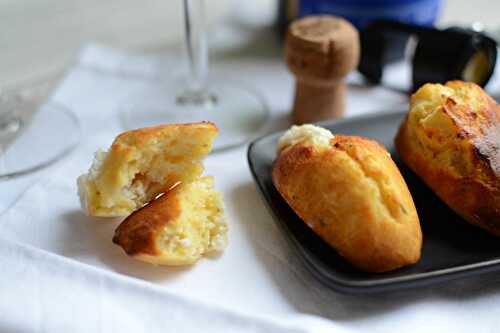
60, 272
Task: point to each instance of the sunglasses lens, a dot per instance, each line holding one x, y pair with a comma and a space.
477, 68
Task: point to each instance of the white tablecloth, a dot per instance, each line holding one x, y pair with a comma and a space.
60, 272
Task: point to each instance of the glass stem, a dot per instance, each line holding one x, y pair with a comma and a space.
196, 45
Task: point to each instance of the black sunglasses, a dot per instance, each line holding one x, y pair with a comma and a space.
439, 56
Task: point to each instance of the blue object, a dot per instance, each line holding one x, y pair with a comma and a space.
361, 12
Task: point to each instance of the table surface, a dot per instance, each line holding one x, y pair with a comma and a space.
29, 27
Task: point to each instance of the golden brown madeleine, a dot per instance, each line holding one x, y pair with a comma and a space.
177, 228
451, 139
350, 192
142, 164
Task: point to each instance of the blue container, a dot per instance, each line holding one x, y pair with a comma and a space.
361, 12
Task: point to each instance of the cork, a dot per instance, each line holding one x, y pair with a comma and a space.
320, 51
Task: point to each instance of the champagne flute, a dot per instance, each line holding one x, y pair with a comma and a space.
238, 111
34, 131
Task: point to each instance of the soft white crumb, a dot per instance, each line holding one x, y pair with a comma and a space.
81, 183
185, 242
218, 243
96, 166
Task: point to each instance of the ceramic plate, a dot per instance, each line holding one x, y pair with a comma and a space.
452, 249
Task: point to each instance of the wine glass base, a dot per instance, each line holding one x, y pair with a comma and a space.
238, 112
50, 134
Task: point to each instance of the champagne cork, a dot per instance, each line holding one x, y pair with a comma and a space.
320, 51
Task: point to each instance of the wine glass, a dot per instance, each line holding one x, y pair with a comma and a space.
34, 131
238, 111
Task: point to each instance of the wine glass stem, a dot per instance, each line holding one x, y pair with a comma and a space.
196, 44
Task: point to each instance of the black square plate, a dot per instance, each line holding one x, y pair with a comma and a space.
452, 249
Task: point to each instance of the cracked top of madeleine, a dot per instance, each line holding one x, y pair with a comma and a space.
451, 139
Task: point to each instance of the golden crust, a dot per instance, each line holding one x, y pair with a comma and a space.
451, 139
145, 135
354, 197
177, 228
137, 234
143, 163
